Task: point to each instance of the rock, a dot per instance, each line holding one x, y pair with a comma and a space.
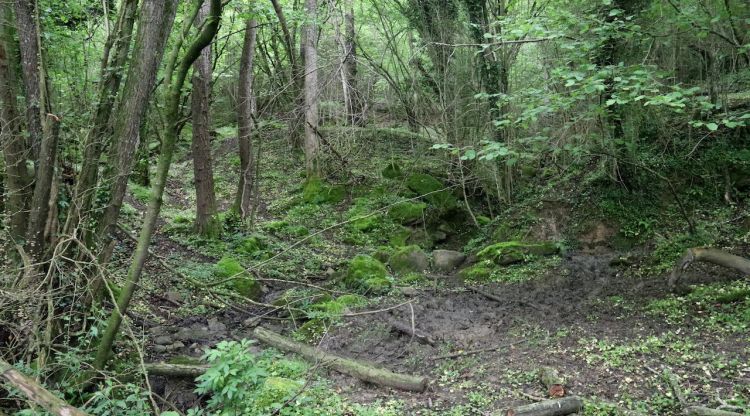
251, 322
242, 282
510, 252
430, 187
367, 274
214, 325
173, 296
193, 334
163, 340
158, 331
160, 348
329, 272
447, 260
318, 192
407, 212
176, 346
439, 236
409, 259
409, 291
420, 237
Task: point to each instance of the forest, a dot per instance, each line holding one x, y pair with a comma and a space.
374, 207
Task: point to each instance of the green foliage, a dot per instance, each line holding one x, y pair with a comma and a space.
367, 275
408, 259
392, 171
140, 192
432, 190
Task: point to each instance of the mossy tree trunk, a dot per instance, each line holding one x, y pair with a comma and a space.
176, 75
203, 173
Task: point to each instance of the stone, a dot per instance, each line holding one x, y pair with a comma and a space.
409, 259
173, 296
214, 325
407, 212
511, 252
447, 260
160, 348
163, 340
176, 346
192, 334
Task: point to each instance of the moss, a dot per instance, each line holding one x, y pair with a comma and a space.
316, 191
392, 171
298, 231
408, 259
428, 185
383, 254
367, 275
421, 237
242, 282
400, 237
483, 220
276, 390
276, 226
252, 245
311, 330
362, 224
338, 305
510, 252
407, 212
413, 279
479, 272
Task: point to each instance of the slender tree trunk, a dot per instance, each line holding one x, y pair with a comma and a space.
154, 26
35, 81
111, 72
312, 144
245, 110
354, 111
296, 76
203, 174
17, 178
157, 191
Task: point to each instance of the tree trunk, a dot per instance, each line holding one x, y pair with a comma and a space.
17, 179
312, 144
37, 394
706, 411
557, 407
552, 380
354, 111
245, 123
38, 112
363, 371
708, 255
203, 174
111, 72
154, 25
174, 94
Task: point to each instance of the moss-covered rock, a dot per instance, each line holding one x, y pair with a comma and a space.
428, 185
510, 252
312, 330
242, 282
421, 237
407, 212
316, 191
253, 245
392, 171
367, 275
409, 259
479, 272
276, 390
383, 254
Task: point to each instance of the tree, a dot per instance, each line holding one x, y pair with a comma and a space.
245, 121
203, 174
312, 142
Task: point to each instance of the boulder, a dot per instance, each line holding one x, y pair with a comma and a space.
428, 186
409, 259
367, 274
407, 212
447, 260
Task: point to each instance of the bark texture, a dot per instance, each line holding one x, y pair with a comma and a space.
312, 143
203, 173
559, 407
37, 394
245, 123
154, 25
708, 255
363, 371
354, 110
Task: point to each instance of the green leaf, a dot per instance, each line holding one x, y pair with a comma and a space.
712, 126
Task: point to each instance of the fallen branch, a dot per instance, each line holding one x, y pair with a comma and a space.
707, 411
175, 370
558, 407
415, 333
552, 380
36, 393
479, 351
488, 295
707, 255
363, 371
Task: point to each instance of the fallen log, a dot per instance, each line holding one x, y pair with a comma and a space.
707, 255
175, 370
553, 381
707, 411
412, 332
37, 394
361, 370
557, 407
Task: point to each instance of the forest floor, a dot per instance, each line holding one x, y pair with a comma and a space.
615, 333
